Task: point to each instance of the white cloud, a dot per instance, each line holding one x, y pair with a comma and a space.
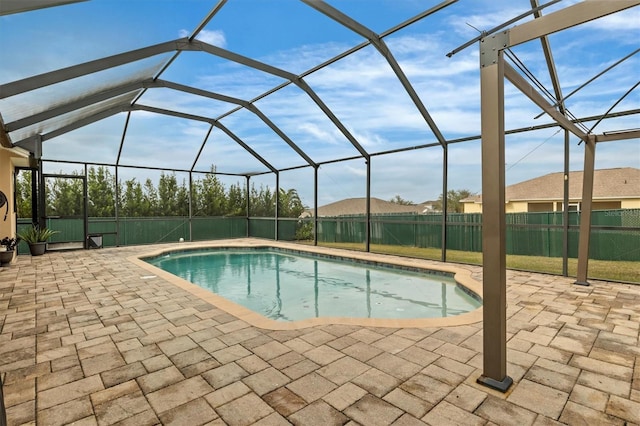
213, 37
365, 95
367, 98
370, 140
468, 24
628, 20
304, 57
317, 133
361, 172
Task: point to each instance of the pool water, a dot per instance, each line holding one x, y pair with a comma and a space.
288, 287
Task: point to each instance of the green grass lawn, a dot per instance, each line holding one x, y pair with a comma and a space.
598, 269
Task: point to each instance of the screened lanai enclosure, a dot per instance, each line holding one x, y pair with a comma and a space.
151, 122
230, 111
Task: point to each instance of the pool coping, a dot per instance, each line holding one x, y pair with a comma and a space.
462, 276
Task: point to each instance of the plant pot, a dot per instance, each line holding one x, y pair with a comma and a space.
6, 257
37, 249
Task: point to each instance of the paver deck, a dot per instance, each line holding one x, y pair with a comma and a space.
92, 338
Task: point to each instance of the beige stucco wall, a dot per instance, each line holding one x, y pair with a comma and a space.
522, 206
8, 226
631, 203
9, 159
513, 207
471, 208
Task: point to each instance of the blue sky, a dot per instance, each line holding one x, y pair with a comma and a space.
361, 90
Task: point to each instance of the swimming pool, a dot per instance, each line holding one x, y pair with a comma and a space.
287, 285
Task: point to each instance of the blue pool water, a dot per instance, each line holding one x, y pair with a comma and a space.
289, 286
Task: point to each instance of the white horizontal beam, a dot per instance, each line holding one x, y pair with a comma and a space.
568, 17
64, 74
8, 7
618, 136
520, 83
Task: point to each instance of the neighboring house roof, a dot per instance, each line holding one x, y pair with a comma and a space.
358, 206
607, 184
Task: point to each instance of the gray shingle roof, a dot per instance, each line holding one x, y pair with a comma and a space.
358, 206
607, 184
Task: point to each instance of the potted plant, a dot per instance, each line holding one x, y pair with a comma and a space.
7, 248
37, 238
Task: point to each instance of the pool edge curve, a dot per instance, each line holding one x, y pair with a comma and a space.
462, 276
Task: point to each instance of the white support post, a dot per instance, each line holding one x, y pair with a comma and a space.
585, 211
494, 281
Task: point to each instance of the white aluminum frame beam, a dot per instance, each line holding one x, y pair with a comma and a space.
193, 35
245, 146
565, 18
557, 90
202, 145
485, 34
298, 81
611, 108
568, 17
64, 74
585, 211
147, 84
384, 50
618, 136
601, 73
211, 121
207, 18
43, 80
248, 105
551, 65
492, 74
527, 89
76, 124
8, 7
75, 105
494, 264
172, 113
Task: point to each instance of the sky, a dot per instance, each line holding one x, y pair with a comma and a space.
361, 90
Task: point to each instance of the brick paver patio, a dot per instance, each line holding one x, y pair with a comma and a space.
87, 337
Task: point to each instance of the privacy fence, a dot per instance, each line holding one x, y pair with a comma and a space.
615, 234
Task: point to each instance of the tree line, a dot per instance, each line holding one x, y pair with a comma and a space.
209, 197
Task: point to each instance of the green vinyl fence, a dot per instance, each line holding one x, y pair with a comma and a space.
152, 230
615, 234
